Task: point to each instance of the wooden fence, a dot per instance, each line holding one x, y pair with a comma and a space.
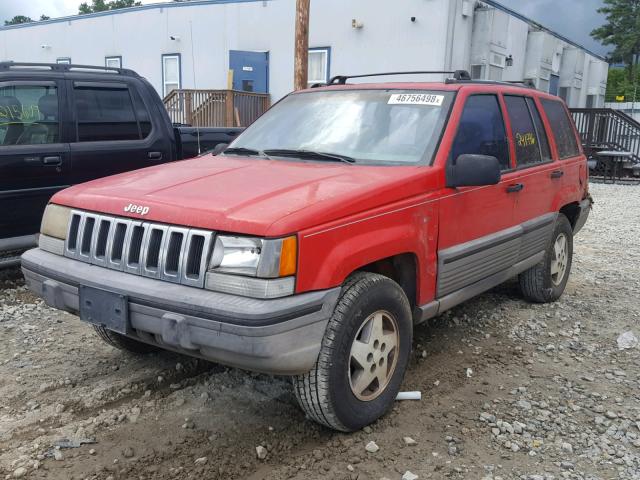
215, 108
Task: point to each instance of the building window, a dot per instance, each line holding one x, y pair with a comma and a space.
113, 62
63, 60
319, 61
477, 72
171, 73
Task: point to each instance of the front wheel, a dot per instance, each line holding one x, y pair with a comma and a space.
546, 281
363, 357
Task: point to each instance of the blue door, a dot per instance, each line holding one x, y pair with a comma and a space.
250, 71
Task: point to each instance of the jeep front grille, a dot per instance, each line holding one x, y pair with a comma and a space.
165, 252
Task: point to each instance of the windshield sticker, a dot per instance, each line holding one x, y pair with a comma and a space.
428, 99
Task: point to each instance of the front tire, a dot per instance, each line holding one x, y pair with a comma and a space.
363, 357
123, 342
546, 281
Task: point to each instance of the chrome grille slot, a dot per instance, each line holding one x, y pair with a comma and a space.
116, 249
87, 234
174, 249
174, 254
72, 235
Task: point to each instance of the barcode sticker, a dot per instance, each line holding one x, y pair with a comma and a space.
428, 99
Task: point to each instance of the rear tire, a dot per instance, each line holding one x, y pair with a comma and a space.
546, 281
124, 343
363, 357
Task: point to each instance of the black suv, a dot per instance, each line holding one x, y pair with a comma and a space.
65, 124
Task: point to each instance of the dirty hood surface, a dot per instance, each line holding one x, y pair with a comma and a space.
246, 195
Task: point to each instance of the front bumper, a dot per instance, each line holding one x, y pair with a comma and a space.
583, 214
281, 336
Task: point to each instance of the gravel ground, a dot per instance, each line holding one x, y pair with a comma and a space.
510, 391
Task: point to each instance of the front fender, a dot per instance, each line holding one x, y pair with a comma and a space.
328, 255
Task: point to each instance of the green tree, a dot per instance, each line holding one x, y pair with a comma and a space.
104, 5
44, 17
621, 31
18, 19
623, 85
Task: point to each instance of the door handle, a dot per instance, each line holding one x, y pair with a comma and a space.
516, 187
54, 160
155, 155
557, 174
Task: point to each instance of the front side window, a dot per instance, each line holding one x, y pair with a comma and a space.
29, 114
529, 150
562, 128
170, 73
318, 65
105, 114
370, 126
481, 130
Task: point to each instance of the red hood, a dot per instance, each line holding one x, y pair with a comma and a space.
247, 195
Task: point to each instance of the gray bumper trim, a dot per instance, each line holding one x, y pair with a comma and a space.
276, 336
585, 209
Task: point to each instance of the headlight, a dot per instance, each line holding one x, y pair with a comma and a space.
253, 267
254, 257
55, 221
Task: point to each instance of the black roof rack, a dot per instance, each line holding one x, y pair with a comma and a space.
65, 67
342, 79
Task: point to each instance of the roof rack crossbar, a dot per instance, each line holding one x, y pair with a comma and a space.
457, 75
66, 67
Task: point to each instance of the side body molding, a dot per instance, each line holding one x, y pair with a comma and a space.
471, 268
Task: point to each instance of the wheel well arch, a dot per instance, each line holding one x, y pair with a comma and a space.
572, 212
402, 269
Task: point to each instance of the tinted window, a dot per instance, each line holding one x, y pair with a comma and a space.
142, 114
29, 115
542, 134
562, 128
524, 132
481, 130
105, 114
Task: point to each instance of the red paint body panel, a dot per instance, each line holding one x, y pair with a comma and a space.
345, 216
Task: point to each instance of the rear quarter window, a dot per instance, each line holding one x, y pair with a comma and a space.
562, 128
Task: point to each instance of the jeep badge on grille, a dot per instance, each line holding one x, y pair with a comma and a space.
139, 209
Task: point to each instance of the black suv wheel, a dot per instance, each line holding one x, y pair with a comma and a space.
363, 357
546, 281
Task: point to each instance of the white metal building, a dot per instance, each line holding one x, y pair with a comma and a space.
195, 44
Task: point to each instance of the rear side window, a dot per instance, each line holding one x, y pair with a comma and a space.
525, 133
105, 114
545, 151
481, 130
562, 128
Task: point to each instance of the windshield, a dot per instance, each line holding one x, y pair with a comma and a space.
364, 126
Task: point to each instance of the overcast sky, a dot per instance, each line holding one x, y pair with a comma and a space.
572, 18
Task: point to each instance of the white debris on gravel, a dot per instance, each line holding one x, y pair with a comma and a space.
627, 340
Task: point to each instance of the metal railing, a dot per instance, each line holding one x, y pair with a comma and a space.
215, 108
608, 129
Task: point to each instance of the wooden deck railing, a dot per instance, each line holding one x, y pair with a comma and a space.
215, 108
607, 129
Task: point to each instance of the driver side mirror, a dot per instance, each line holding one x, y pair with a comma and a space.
472, 170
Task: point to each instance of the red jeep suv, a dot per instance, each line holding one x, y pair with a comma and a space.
313, 245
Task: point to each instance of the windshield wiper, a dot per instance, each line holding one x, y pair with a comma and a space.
309, 154
244, 151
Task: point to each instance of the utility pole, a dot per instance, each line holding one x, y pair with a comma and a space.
301, 63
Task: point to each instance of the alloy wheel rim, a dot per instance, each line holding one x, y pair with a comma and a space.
373, 356
559, 259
